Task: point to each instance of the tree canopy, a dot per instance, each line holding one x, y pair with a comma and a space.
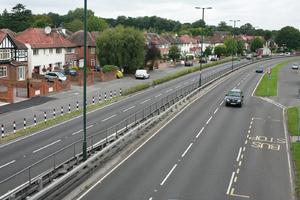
257, 43
289, 37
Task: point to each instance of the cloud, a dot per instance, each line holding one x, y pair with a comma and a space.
263, 13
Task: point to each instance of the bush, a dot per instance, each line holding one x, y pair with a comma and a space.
136, 88
109, 68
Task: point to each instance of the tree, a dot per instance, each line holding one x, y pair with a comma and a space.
220, 50
208, 51
75, 25
257, 43
41, 21
96, 24
231, 46
199, 23
247, 29
240, 47
152, 54
174, 53
288, 36
222, 26
121, 47
20, 18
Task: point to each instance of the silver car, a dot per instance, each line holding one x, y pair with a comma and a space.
51, 76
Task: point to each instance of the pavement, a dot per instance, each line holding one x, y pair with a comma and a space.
209, 151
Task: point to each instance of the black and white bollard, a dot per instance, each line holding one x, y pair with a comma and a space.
34, 119
99, 98
15, 127
120, 91
54, 113
45, 117
24, 123
110, 95
115, 93
105, 96
93, 101
62, 111
77, 105
2, 131
69, 108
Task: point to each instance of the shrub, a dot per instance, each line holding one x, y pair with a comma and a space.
109, 68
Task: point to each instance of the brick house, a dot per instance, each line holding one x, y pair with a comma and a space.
13, 68
77, 38
47, 49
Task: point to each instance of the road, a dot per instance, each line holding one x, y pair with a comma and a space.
22, 153
209, 151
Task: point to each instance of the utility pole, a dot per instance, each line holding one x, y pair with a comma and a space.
84, 145
234, 24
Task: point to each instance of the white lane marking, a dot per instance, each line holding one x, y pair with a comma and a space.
11, 162
128, 108
170, 172
44, 147
200, 132
150, 198
145, 101
238, 195
251, 122
238, 171
230, 183
109, 118
239, 154
250, 126
82, 130
158, 95
249, 131
240, 163
169, 90
221, 102
216, 111
187, 150
256, 86
177, 86
246, 142
209, 120
244, 149
242, 156
248, 136
235, 179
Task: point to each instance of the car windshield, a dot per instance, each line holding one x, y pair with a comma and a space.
60, 74
234, 94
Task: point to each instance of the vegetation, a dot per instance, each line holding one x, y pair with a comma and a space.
152, 55
122, 47
288, 37
268, 85
137, 88
174, 53
109, 68
293, 120
296, 158
220, 50
231, 46
257, 43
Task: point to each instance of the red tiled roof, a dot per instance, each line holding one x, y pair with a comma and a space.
186, 39
5, 32
78, 39
2, 36
38, 39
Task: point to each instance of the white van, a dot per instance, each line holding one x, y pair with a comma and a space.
141, 73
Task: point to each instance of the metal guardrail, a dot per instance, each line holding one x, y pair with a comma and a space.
40, 174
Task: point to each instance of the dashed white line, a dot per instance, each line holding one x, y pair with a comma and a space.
246, 142
221, 102
44, 147
242, 156
216, 111
250, 126
158, 95
244, 149
200, 132
128, 108
82, 130
235, 179
238, 170
9, 163
209, 120
109, 118
170, 172
150, 198
249, 131
187, 150
177, 86
145, 101
230, 183
239, 154
251, 122
169, 90
240, 163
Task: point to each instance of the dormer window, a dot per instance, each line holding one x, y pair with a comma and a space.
5, 54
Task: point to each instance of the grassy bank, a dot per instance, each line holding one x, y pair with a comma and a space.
296, 158
268, 85
293, 120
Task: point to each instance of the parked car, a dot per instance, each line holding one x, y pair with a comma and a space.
295, 66
142, 74
234, 97
119, 74
71, 72
249, 56
259, 69
51, 76
188, 63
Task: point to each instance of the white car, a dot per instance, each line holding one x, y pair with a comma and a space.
50, 76
295, 66
141, 73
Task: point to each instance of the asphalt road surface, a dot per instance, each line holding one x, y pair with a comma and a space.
207, 152
22, 153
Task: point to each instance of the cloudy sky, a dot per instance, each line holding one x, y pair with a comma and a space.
265, 14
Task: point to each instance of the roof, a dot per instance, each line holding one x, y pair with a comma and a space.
78, 39
5, 32
38, 39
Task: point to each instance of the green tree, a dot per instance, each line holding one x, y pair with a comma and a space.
257, 43
240, 47
208, 51
121, 47
152, 55
41, 21
288, 36
231, 46
96, 24
75, 25
20, 18
174, 53
220, 50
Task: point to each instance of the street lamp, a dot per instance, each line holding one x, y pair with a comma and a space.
84, 145
201, 50
234, 23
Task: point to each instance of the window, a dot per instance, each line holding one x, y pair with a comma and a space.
93, 50
45, 51
69, 50
58, 50
5, 54
21, 73
93, 62
35, 52
50, 51
3, 71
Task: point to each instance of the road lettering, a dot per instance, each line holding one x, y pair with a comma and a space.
268, 143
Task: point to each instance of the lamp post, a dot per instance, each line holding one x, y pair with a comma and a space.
234, 23
84, 145
201, 50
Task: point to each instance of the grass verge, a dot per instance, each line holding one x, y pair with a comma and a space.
296, 158
268, 85
293, 120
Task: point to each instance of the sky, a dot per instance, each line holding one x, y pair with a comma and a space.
264, 14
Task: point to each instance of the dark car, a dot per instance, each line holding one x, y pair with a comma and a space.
259, 69
71, 72
234, 97
188, 63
